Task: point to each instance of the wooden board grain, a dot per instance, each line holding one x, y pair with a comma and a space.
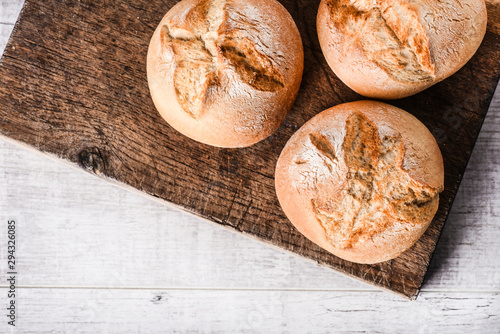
73, 85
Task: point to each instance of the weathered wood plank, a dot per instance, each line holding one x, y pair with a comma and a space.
9, 11
92, 311
95, 234
94, 104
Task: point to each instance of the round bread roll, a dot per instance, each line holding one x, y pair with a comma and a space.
225, 72
361, 180
391, 49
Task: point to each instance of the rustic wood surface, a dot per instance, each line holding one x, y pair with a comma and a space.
83, 98
95, 258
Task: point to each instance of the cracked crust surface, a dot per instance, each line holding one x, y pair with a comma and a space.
361, 180
225, 65
389, 33
396, 48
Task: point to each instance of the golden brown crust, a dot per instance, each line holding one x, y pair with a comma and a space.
396, 48
361, 180
225, 72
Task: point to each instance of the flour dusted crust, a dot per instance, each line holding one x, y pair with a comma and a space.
225, 72
361, 180
395, 48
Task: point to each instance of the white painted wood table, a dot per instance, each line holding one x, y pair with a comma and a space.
94, 258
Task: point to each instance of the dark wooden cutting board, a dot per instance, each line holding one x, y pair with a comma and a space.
73, 84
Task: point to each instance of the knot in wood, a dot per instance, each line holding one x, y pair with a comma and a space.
91, 160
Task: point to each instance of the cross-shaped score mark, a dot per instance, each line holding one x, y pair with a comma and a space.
377, 193
206, 53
